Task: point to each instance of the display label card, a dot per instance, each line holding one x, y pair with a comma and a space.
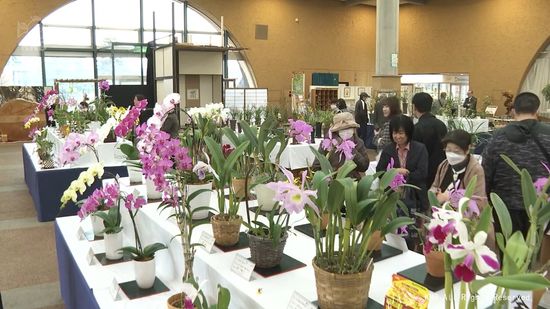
90, 256
114, 288
297, 301
207, 241
520, 299
242, 267
80, 234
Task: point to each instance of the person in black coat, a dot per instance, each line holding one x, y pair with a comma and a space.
430, 131
410, 159
362, 115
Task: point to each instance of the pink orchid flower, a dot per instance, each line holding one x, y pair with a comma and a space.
293, 199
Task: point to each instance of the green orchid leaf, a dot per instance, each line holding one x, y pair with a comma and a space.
528, 190
387, 178
150, 250
224, 298
326, 167
396, 223
485, 219
432, 199
502, 214
471, 187
129, 151
520, 282
511, 163
345, 169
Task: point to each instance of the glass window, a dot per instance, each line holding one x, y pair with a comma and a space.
77, 13
31, 38
22, 71
197, 22
162, 37
69, 68
163, 15
119, 14
60, 36
77, 91
105, 37
238, 70
205, 39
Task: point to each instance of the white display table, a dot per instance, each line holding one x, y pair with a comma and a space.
272, 292
296, 157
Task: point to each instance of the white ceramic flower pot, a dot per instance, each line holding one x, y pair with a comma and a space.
145, 273
134, 173
265, 197
97, 225
113, 242
200, 200
152, 192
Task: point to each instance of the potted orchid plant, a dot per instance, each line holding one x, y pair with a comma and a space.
143, 256
343, 264
226, 224
107, 199
461, 233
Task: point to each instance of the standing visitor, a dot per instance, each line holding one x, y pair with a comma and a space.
526, 142
470, 103
429, 131
438, 105
362, 115
390, 109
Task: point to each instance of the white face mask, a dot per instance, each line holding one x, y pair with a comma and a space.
454, 158
346, 134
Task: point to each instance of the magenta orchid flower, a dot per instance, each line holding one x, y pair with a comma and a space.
346, 148
399, 179
300, 130
127, 124
292, 198
104, 85
472, 252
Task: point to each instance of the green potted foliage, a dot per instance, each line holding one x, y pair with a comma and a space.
44, 148
343, 264
226, 224
267, 240
546, 92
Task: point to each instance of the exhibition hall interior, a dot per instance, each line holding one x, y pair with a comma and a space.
274, 154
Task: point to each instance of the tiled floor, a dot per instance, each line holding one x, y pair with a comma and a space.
28, 276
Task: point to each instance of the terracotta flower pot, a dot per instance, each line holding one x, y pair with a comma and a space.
226, 231
238, 187
336, 291
435, 263
375, 242
174, 301
263, 253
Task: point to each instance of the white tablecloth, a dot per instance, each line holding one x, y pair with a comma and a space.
296, 156
276, 291
472, 125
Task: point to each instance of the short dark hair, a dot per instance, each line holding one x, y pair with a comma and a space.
364, 95
423, 102
394, 105
526, 103
402, 122
460, 138
341, 104
139, 97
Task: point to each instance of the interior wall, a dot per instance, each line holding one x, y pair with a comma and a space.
492, 40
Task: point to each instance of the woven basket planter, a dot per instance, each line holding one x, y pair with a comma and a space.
47, 164
226, 232
263, 253
435, 263
335, 291
237, 184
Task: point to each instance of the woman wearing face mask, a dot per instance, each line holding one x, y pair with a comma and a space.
458, 170
344, 129
390, 109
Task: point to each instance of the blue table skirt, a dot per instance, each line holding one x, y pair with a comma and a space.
74, 290
47, 186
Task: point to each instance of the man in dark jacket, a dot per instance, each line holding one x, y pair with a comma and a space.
429, 131
527, 142
362, 116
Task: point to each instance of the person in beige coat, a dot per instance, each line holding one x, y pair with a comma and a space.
458, 170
